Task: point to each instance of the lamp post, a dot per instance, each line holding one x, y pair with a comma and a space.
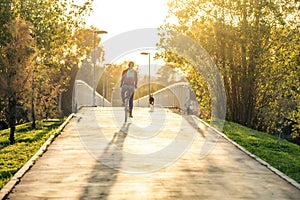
94, 71
147, 53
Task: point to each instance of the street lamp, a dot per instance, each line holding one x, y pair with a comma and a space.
147, 53
94, 71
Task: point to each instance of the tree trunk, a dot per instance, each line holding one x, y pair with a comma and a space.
33, 125
12, 105
244, 92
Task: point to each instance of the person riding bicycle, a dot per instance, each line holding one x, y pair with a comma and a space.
129, 83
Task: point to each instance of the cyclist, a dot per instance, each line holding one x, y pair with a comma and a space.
129, 83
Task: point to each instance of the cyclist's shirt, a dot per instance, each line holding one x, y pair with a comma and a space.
129, 74
129, 77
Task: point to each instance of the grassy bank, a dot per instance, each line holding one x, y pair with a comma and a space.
284, 157
28, 142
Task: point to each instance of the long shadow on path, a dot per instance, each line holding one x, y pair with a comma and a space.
106, 171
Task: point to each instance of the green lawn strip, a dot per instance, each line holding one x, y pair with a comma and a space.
28, 142
285, 157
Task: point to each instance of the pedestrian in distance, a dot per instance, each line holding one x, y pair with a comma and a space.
151, 103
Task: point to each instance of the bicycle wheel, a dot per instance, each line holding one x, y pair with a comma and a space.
126, 107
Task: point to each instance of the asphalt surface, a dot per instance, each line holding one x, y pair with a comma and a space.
156, 155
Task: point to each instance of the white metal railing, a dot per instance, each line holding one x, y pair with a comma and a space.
178, 95
83, 96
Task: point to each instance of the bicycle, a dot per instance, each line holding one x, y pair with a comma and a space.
126, 105
127, 96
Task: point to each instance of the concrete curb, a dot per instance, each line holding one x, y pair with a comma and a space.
21, 172
274, 170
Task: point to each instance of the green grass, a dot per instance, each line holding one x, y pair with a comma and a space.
28, 142
284, 157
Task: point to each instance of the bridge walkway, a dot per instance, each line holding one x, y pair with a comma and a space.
156, 155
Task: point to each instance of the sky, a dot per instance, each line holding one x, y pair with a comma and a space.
120, 16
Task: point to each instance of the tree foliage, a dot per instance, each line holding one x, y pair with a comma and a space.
54, 25
52, 28
16, 60
80, 61
255, 45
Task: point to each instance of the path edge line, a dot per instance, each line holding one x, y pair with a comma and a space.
262, 162
22, 171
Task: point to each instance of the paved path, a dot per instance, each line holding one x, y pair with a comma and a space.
159, 155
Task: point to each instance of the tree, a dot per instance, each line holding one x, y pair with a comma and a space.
55, 23
250, 41
54, 26
16, 59
80, 62
6, 15
109, 79
168, 75
279, 97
